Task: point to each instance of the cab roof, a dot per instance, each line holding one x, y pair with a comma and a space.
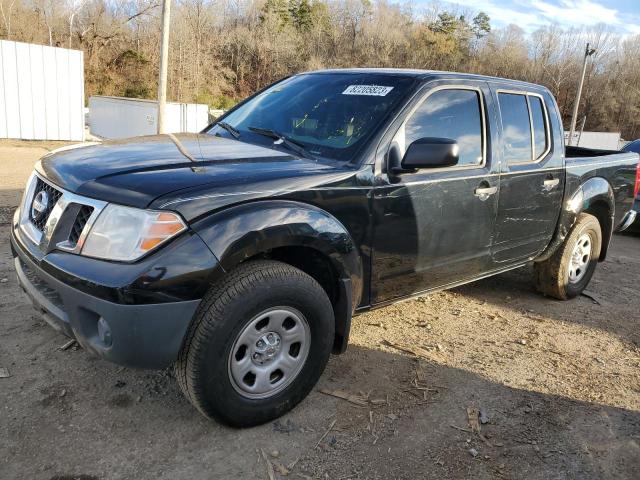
431, 75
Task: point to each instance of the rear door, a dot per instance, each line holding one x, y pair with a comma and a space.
433, 227
531, 178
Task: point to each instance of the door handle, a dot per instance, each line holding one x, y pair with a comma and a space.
550, 184
485, 192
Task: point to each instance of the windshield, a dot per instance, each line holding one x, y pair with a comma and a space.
330, 115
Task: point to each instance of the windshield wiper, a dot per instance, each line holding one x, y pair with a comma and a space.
297, 147
232, 130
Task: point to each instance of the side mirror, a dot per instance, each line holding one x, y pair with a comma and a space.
430, 152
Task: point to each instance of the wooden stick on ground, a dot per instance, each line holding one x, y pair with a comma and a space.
270, 472
355, 399
326, 433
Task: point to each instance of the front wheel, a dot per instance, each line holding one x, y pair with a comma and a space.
258, 344
568, 271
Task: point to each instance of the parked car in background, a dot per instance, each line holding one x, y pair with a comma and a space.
240, 254
632, 146
635, 148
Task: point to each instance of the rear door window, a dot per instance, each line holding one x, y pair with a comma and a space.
539, 123
516, 127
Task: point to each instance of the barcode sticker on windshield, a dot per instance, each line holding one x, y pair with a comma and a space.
372, 90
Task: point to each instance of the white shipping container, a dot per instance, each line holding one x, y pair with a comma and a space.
41, 92
121, 117
597, 140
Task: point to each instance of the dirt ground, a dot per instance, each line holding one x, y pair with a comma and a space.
557, 384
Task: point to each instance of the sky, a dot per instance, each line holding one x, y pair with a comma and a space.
621, 15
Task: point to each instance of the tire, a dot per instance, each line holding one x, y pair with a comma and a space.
561, 278
222, 338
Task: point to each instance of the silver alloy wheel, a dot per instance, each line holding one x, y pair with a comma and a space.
269, 352
580, 258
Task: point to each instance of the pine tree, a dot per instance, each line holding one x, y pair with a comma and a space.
446, 23
279, 9
481, 24
301, 14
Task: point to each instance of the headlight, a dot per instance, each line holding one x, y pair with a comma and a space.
126, 234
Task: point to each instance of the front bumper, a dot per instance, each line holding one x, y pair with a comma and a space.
145, 335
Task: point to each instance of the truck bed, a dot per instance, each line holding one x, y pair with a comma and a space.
571, 151
617, 168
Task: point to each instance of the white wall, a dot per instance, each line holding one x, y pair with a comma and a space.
41, 92
120, 117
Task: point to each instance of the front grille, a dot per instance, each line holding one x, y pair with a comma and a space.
53, 195
73, 214
48, 292
81, 220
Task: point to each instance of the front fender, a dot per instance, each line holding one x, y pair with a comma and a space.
595, 191
243, 231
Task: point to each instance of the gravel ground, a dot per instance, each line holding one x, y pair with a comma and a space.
557, 385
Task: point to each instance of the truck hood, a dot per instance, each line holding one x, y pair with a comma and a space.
139, 170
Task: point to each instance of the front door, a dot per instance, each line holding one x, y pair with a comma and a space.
532, 178
433, 227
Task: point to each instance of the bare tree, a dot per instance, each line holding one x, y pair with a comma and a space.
6, 15
74, 8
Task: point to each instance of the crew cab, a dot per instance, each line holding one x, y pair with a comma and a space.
239, 255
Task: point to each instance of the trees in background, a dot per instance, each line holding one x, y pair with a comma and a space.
223, 50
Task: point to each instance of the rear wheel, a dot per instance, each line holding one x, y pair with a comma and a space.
568, 272
258, 344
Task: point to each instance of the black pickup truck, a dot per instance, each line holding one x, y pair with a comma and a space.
240, 254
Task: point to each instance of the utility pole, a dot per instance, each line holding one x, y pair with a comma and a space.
164, 65
584, 120
587, 53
